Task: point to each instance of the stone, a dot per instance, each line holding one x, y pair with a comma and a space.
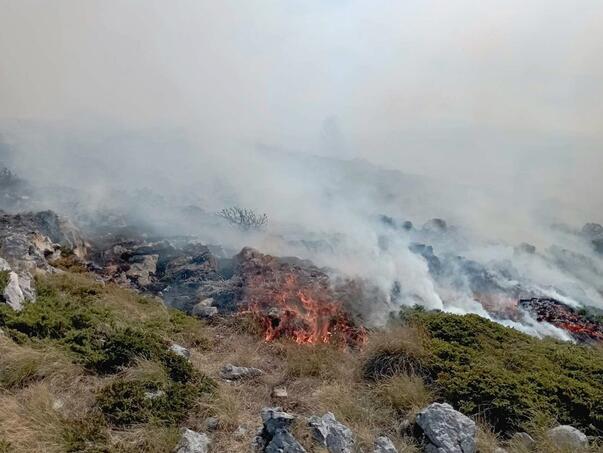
275, 435
279, 393
142, 268
523, 440
568, 437
384, 445
204, 311
284, 442
235, 373
447, 430
274, 418
336, 437
13, 294
193, 442
180, 350
212, 423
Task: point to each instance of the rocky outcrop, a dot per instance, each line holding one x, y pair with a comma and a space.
275, 435
30, 243
568, 437
334, 436
446, 430
193, 442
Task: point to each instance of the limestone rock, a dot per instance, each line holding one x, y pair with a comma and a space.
384, 445
335, 436
193, 442
180, 350
447, 430
234, 373
566, 436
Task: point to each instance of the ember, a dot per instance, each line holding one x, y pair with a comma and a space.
564, 317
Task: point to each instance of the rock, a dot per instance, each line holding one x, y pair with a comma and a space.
142, 268
279, 393
212, 423
205, 309
523, 440
180, 350
336, 437
275, 435
193, 442
284, 442
234, 373
13, 294
500, 450
274, 418
447, 430
566, 436
384, 445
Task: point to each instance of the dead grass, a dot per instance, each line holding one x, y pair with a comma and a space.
30, 421
22, 365
404, 394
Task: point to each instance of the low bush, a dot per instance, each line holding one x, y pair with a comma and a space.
125, 402
497, 373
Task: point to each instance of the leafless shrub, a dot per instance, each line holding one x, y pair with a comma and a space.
245, 219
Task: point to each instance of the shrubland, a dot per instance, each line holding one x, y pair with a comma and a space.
88, 368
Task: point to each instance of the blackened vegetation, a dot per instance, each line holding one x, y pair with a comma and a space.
498, 373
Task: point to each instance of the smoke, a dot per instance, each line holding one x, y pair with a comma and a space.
325, 115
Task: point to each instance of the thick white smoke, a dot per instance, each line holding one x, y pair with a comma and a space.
486, 114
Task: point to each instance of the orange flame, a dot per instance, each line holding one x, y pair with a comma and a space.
309, 314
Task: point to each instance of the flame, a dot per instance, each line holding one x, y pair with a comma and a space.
308, 313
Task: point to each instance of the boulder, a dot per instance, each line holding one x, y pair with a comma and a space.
284, 442
13, 294
205, 309
568, 437
447, 430
193, 442
235, 373
336, 437
384, 445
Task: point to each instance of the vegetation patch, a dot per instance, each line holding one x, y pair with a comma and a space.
4, 279
497, 373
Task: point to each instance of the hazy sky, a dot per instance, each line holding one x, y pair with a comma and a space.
487, 91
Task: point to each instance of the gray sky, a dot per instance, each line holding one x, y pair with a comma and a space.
502, 93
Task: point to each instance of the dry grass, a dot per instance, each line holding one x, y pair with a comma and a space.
404, 394
22, 365
30, 421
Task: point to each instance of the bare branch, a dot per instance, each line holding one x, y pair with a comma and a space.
245, 219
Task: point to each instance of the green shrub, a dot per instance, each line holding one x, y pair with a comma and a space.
498, 373
126, 402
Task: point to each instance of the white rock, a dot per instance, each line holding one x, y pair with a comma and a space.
335, 436
279, 393
448, 430
13, 294
180, 350
566, 436
234, 373
384, 445
193, 442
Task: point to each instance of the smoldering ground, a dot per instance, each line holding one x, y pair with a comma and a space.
324, 115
